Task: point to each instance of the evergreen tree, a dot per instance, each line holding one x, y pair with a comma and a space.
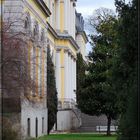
97, 96
125, 69
51, 92
81, 67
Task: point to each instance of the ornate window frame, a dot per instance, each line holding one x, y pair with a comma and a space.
27, 22
36, 30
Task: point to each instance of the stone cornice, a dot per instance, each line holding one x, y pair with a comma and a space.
44, 7
84, 35
66, 50
36, 14
53, 32
63, 36
61, 1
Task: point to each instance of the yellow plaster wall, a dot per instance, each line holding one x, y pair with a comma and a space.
63, 44
38, 10
61, 16
51, 37
1, 1
43, 58
66, 43
29, 56
29, 64
48, 4
37, 57
81, 42
55, 15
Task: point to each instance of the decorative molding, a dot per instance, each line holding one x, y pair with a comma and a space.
36, 14
83, 34
62, 67
58, 49
63, 36
44, 7
49, 42
74, 4
61, 1
66, 50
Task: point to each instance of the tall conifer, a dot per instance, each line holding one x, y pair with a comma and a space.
51, 92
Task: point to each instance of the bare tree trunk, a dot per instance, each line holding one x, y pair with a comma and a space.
108, 125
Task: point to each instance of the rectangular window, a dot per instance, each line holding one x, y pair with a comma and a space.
43, 125
36, 127
28, 127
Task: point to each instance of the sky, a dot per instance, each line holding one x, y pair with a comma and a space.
86, 7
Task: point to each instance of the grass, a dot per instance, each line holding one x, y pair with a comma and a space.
78, 137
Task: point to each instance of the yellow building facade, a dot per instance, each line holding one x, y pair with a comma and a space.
27, 20
54, 24
61, 39
66, 37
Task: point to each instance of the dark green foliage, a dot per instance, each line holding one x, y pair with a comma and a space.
97, 95
51, 92
78, 136
126, 68
81, 67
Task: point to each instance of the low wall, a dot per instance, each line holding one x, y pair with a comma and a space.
67, 120
38, 116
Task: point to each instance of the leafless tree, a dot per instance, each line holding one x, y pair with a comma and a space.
16, 81
99, 15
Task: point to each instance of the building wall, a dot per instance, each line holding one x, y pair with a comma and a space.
65, 74
33, 112
30, 20
67, 120
62, 48
81, 42
62, 42
38, 70
81, 37
64, 120
64, 58
62, 18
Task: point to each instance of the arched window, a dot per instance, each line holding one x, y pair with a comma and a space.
42, 35
36, 127
36, 29
27, 21
28, 127
42, 125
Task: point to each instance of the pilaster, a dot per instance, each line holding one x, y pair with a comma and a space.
66, 74
62, 10
58, 73
62, 75
57, 14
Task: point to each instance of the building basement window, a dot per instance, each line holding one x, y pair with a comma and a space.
42, 124
28, 127
36, 127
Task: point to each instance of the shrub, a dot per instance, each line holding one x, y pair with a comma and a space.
8, 133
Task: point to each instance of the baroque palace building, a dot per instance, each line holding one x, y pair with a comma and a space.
54, 24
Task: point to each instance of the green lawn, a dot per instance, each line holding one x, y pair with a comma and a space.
78, 137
